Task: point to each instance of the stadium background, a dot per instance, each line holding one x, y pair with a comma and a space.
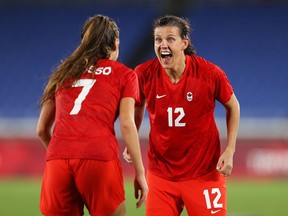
246, 38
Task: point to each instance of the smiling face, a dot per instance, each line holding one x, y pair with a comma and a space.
169, 46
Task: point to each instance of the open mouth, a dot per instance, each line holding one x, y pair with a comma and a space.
166, 56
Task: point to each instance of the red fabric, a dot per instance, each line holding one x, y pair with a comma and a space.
202, 196
89, 131
69, 183
184, 140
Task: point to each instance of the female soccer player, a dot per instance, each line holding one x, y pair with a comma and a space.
82, 100
179, 89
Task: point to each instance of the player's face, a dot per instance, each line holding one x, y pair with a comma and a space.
169, 46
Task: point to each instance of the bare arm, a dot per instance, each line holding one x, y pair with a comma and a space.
138, 116
131, 140
225, 162
45, 122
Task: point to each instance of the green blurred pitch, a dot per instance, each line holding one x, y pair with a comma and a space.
20, 197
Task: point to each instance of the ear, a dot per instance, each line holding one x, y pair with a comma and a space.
116, 45
185, 43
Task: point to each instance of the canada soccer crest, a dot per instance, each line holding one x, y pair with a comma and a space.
189, 96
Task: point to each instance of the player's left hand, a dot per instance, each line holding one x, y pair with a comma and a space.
225, 163
140, 190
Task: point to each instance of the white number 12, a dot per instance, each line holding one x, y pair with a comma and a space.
216, 199
87, 85
176, 122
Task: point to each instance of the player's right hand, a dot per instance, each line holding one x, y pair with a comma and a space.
127, 156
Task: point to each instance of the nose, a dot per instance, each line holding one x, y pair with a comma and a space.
163, 44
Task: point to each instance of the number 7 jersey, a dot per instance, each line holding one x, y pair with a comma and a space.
184, 140
86, 112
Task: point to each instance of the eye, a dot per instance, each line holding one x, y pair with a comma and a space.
170, 40
158, 40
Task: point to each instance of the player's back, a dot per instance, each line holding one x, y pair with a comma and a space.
86, 112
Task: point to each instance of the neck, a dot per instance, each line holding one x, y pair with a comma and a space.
176, 72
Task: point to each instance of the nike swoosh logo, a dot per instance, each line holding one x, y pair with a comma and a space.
160, 96
214, 212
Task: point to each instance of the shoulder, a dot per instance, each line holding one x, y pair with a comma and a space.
200, 61
114, 65
205, 65
121, 66
147, 66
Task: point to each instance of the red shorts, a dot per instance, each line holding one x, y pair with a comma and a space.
68, 184
203, 196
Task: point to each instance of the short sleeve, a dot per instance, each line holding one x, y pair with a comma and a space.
131, 87
223, 87
140, 77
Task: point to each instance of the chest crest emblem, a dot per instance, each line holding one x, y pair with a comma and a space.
189, 96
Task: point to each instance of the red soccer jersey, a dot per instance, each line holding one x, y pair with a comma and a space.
86, 112
184, 140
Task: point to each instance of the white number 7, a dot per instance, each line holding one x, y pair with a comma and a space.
87, 85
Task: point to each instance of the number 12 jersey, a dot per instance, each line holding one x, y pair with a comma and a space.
184, 140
